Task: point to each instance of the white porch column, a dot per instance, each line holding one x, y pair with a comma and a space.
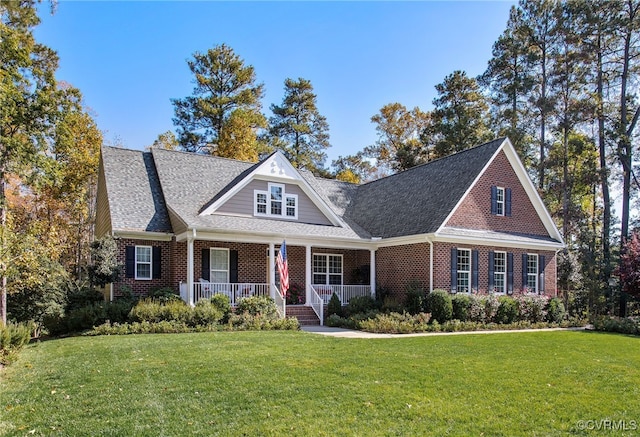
272, 269
372, 271
190, 271
307, 275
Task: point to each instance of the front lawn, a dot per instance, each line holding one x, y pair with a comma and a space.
296, 383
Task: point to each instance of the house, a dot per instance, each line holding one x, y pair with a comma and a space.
472, 222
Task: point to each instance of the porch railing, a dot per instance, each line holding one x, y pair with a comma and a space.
344, 292
317, 303
281, 302
234, 291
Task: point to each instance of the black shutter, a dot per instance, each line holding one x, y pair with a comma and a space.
130, 261
474, 270
206, 265
541, 274
233, 266
454, 269
524, 271
509, 273
157, 262
494, 200
491, 273
507, 202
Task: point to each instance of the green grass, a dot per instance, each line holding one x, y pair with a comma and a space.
296, 383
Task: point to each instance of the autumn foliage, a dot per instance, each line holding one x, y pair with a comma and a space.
629, 269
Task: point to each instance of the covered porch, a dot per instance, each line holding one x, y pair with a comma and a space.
240, 269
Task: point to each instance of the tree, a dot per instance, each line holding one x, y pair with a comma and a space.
104, 268
28, 107
629, 268
166, 140
459, 118
352, 168
399, 144
508, 84
298, 127
225, 105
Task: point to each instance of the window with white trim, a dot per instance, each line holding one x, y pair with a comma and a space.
327, 269
500, 272
219, 265
143, 262
464, 271
499, 201
532, 272
275, 202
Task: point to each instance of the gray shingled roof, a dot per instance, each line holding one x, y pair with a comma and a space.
190, 182
135, 196
418, 200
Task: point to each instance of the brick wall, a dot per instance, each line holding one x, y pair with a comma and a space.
475, 210
252, 259
442, 266
142, 287
397, 266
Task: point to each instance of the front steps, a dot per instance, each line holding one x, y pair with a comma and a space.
305, 315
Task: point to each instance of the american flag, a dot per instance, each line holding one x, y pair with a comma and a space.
283, 268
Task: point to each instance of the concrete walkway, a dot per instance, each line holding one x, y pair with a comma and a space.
350, 333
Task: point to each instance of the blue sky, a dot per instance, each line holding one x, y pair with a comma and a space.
129, 58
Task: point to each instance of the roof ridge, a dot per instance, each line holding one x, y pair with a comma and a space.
222, 158
424, 164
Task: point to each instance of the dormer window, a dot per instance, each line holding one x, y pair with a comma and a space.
275, 202
501, 201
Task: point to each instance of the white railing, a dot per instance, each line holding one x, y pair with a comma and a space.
317, 303
344, 292
281, 302
235, 292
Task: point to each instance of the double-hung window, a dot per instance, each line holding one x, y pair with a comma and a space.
143, 262
463, 271
532, 273
275, 202
499, 201
500, 272
327, 269
219, 265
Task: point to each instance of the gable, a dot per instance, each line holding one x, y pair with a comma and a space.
474, 210
242, 203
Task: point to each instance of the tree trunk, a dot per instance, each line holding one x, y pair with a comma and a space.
3, 250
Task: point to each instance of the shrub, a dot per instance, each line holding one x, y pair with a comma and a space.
149, 310
13, 337
532, 308
477, 308
491, 305
164, 294
439, 305
82, 297
205, 313
396, 323
391, 304
85, 317
415, 296
555, 310
628, 325
221, 302
461, 304
359, 304
507, 311
118, 310
258, 322
258, 306
295, 294
335, 306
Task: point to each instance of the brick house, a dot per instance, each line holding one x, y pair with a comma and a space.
472, 222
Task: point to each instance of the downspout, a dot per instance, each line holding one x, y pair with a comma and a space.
430, 241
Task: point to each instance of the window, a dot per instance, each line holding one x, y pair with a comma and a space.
219, 265
532, 273
327, 269
143, 262
499, 201
500, 272
464, 271
270, 203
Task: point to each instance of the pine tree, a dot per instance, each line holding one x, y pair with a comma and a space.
459, 118
298, 127
224, 108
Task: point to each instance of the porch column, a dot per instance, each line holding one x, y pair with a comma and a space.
190, 271
372, 271
307, 275
272, 269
